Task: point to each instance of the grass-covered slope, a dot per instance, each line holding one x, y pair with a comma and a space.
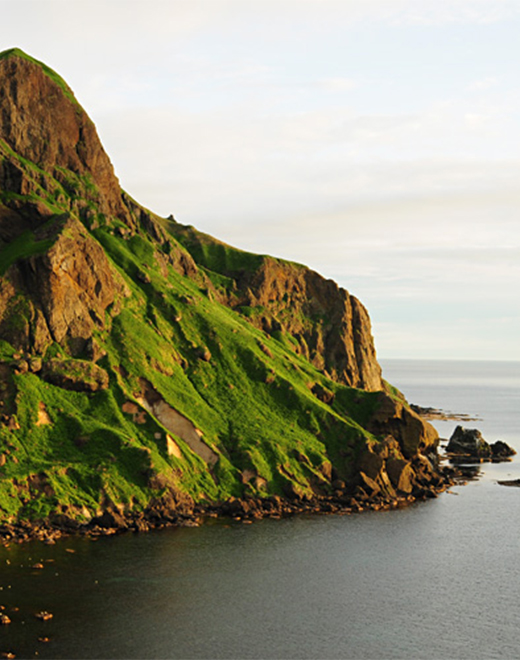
249, 394
145, 368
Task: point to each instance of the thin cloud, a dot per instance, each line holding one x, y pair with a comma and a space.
345, 134
483, 84
338, 84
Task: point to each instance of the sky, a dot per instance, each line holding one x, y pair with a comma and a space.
376, 141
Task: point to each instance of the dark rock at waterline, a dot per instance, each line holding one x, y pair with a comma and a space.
501, 449
510, 482
247, 509
470, 442
110, 520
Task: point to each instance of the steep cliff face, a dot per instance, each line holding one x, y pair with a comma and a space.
44, 124
326, 324
65, 290
147, 369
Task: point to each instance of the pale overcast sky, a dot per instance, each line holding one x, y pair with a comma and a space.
376, 141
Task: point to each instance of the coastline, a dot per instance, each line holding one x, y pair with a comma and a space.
429, 413
244, 510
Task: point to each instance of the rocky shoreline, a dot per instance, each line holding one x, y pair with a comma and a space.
245, 510
430, 413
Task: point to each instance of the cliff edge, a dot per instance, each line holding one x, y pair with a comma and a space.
150, 373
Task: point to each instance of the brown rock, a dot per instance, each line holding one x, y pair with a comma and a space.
203, 353
326, 470
12, 424
43, 122
130, 408
21, 367
372, 467
329, 326
413, 434
110, 520
35, 365
76, 375
401, 474
322, 393
371, 484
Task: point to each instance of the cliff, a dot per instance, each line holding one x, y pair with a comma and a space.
149, 372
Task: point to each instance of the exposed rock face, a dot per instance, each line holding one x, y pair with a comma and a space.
41, 122
331, 326
406, 461
395, 418
65, 290
176, 423
327, 325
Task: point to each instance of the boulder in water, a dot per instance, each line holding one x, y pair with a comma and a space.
470, 442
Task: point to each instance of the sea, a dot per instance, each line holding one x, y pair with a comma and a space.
438, 580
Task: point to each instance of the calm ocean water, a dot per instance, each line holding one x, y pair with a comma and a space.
436, 581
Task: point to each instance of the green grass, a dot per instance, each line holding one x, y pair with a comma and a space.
252, 399
253, 407
23, 247
212, 254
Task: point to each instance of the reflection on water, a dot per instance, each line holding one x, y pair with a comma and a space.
470, 470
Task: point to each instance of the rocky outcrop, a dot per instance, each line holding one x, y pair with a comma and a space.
405, 462
395, 418
325, 323
60, 295
76, 375
331, 327
42, 122
470, 443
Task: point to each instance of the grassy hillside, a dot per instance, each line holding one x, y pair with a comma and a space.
248, 393
145, 366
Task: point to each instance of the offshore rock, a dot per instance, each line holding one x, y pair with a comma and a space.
470, 442
501, 449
